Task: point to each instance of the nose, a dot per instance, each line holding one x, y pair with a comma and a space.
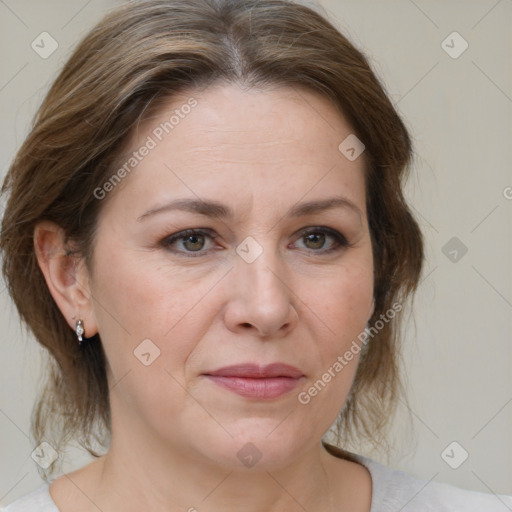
261, 301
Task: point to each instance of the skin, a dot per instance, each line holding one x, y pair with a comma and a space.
260, 152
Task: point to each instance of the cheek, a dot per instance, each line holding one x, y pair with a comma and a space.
149, 327
343, 307
139, 300
343, 300
143, 297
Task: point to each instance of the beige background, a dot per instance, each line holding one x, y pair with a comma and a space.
459, 351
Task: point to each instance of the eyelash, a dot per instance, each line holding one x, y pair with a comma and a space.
340, 241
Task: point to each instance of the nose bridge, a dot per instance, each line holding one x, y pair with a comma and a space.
263, 297
263, 272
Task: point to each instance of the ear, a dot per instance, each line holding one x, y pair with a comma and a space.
66, 276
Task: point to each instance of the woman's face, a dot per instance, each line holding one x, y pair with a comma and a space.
237, 238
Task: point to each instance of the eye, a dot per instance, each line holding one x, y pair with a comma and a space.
315, 239
197, 242
189, 241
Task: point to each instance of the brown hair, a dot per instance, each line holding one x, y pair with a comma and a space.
144, 52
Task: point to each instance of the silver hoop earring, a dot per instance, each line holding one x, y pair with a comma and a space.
79, 331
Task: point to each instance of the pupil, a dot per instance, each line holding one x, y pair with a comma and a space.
316, 239
195, 240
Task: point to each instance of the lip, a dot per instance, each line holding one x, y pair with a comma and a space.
255, 381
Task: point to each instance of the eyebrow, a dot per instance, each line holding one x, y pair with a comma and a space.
218, 210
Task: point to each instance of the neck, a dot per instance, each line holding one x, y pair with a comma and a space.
143, 470
179, 481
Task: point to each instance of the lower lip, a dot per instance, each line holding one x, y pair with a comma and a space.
272, 387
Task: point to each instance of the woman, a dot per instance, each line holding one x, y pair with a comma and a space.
206, 229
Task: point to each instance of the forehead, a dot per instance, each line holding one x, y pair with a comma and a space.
256, 115
281, 141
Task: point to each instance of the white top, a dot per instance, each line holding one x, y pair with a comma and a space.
393, 491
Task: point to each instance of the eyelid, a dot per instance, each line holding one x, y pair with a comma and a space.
313, 229
168, 240
341, 241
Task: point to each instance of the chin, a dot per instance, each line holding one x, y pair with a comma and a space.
257, 445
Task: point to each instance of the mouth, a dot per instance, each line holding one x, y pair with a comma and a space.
257, 382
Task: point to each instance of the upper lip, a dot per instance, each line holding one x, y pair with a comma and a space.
255, 371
